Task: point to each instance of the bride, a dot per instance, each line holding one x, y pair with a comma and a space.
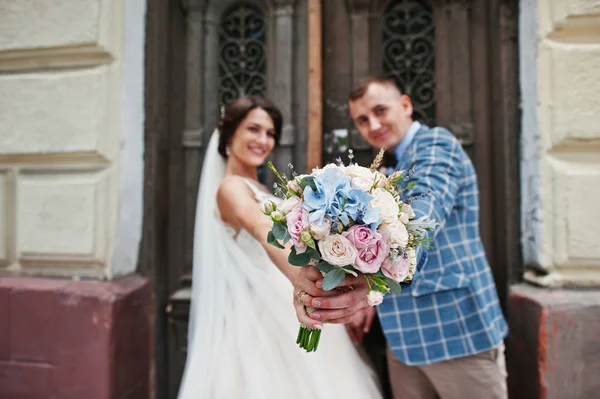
243, 328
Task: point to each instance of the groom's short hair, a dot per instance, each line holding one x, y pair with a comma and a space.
362, 85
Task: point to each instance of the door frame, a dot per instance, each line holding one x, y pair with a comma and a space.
165, 115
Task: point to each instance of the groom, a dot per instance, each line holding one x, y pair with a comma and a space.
445, 331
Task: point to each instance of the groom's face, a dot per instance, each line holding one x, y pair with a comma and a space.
382, 115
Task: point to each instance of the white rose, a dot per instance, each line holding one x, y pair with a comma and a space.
358, 171
408, 209
337, 250
394, 234
361, 177
386, 203
320, 230
286, 206
374, 298
317, 171
362, 183
404, 217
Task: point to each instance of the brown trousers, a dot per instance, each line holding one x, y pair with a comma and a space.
479, 376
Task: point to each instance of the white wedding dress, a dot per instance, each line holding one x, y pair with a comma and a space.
243, 327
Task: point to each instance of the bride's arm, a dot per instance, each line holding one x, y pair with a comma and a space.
239, 209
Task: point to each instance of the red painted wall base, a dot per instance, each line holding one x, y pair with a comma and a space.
74, 339
553, 349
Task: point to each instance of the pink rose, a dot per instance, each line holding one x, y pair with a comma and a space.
359, 236
371, 257
397, 271
297, 222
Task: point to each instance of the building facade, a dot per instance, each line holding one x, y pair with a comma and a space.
108, 105
74, 318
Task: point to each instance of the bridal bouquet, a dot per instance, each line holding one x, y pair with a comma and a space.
347, 220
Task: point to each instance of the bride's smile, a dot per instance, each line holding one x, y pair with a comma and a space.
253, 140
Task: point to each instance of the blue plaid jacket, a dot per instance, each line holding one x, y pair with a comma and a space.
451, 309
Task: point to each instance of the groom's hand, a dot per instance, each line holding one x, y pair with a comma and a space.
341, 308
305, 290
361, 324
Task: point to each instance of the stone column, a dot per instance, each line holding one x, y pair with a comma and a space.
360, 38
193, 134
281, 88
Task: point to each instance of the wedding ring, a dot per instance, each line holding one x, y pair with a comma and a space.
300, 297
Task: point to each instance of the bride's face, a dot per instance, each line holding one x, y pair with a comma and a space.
254, 139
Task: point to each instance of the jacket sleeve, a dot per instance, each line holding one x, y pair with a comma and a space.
436, 173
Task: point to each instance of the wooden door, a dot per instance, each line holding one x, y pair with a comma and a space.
457, 61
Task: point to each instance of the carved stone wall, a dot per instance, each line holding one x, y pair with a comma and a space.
560, 79
63, 130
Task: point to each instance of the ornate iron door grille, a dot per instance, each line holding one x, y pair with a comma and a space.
409, 54
242, 47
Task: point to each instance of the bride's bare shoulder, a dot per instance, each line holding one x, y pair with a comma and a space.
233, 189
237, 204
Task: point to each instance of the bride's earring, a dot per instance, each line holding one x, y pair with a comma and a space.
227, 152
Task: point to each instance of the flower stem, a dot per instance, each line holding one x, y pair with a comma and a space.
368, 282
300, 334
318, 334
308, 339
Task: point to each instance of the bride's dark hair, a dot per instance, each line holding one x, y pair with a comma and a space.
235, 113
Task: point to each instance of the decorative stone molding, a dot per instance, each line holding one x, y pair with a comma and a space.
54, 59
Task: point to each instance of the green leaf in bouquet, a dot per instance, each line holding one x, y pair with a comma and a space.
314, 253
279, 231
350, 270
273, 241
325, 267
378, 280
380, 283
333, 279
394, 286
297, 259
275, 171
287, 237
308, 181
